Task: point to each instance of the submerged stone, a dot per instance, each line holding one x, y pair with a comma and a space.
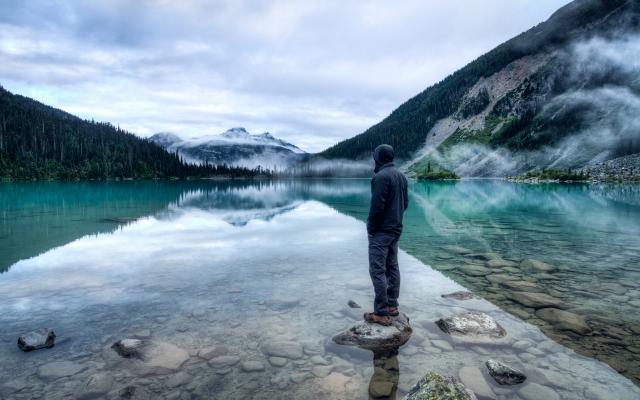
461, 295
59, 369
530, 263
535, 300
434, 386
473, 379
134, 393
150, 357
96, 386
457, 249
475, 270
472, 324
535, 391
224, 361
282, 348
500, 263
278, 361
210, 352
564, 320
522, 286
38, 339
252, 366
504, 374
128, 348
375, 336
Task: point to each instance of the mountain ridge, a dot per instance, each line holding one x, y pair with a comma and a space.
409, 127
237, 147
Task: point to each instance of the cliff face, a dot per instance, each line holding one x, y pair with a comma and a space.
562, 95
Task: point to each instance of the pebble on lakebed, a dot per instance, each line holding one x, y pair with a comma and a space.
38, 339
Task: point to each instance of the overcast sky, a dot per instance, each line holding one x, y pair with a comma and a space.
312, 73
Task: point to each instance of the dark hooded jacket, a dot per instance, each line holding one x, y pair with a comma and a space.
389, 196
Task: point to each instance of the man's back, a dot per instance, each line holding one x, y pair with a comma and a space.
389, 199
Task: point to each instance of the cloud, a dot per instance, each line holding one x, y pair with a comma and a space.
312, 73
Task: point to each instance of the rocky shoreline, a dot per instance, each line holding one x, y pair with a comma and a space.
535, 292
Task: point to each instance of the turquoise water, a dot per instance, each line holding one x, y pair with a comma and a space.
196, 266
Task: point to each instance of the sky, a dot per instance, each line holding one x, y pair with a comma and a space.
310, 72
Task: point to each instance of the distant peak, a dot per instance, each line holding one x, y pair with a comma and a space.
236, 132
267, 135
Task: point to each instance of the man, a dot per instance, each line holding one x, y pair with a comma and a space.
384, 226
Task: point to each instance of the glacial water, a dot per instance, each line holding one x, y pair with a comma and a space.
217, 273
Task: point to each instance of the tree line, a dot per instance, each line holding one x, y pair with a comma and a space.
41, 142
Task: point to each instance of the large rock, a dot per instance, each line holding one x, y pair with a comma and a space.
530, 263
38, 339
564, 320
282, 348
434, 386
375, 336
504, 374
535, 300
472, 325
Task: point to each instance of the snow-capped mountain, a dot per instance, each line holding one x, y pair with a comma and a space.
234, 147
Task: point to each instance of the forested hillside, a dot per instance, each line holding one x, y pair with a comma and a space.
461, 95
41, 142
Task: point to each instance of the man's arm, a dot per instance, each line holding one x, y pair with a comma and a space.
405, 192
379, 193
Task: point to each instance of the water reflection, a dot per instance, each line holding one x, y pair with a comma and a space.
386, 374
242, 266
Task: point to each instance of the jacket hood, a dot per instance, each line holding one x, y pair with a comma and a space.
382, 155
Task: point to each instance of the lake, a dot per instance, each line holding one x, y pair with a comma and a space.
217, 273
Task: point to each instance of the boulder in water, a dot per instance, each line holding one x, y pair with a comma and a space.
434, 386
38, 339
504, 374
375, 336
473, 325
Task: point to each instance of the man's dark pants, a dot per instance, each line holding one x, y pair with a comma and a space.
384, 271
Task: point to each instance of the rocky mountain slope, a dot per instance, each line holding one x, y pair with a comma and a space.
564, 94
236, 147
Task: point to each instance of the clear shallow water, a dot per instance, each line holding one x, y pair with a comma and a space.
239, 266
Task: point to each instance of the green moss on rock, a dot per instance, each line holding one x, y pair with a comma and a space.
434, 386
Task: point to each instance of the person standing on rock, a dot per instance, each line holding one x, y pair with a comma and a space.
389, 199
